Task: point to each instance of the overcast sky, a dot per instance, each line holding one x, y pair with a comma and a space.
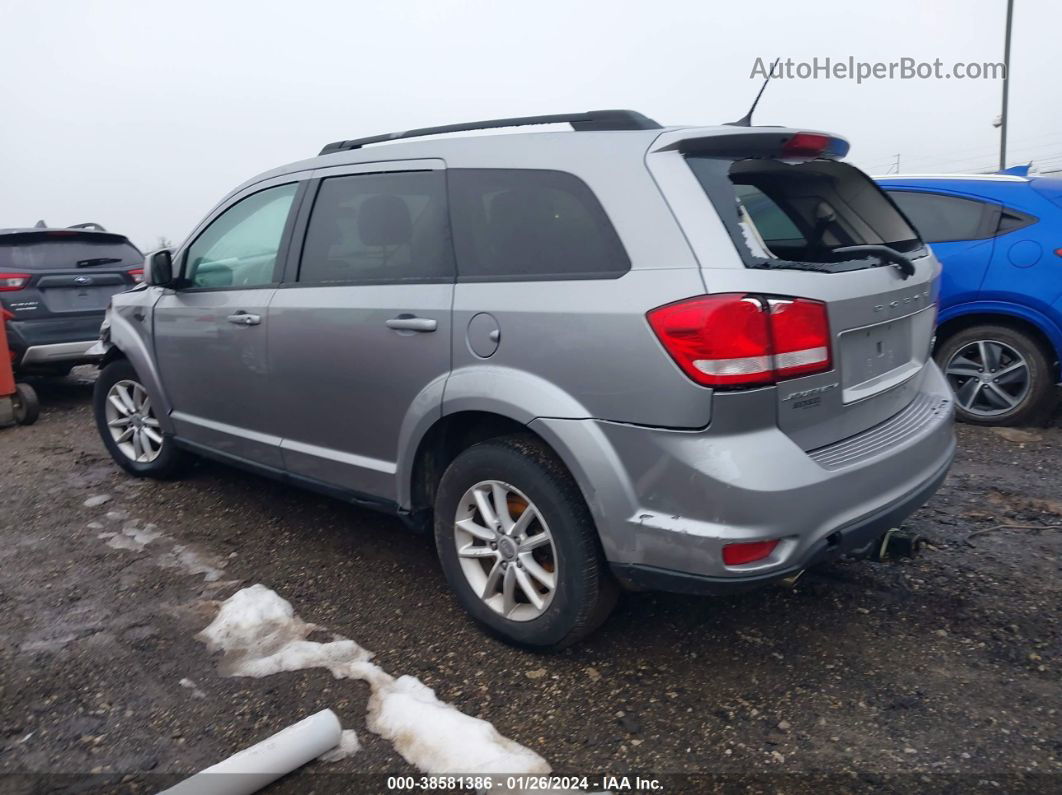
141, 115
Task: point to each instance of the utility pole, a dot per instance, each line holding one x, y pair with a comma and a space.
895, 167
1006, 87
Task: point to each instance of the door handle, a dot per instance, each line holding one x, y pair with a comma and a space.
411, 323
244, 319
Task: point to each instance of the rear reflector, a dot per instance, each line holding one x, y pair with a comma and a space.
737, 340
736, 554
13, 281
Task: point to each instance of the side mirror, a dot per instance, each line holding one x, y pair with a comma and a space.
158, 268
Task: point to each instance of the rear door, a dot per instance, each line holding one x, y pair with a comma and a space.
210, 333
961, 231
795, 219
359, 334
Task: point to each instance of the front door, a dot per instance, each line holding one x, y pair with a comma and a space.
359, 339
210, 333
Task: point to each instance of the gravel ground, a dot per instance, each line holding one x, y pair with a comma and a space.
939, 673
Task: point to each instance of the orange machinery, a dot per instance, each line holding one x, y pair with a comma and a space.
18, 402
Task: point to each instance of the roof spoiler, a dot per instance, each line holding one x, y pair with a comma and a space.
592, 120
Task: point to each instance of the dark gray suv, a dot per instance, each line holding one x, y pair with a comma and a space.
693, 359
56, 283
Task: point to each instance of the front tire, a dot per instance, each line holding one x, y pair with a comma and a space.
1000, 376
518, 545
128, 426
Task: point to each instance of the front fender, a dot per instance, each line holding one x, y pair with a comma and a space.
132, 338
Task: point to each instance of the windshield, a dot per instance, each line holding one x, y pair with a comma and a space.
807, 212
36, 251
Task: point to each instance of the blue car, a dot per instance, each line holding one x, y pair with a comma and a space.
999, 335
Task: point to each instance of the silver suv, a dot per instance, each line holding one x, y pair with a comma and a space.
691, 359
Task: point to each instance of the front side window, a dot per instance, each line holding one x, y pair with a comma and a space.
379, 229
240, 247
941, 219
513, 224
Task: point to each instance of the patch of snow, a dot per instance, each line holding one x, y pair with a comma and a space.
132, 537
348, 746
94, 526
97, 500
190, 685
259, 634
117, 516
438, 738
192, 561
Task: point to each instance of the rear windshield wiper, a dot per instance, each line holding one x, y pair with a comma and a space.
86, 263
887, 253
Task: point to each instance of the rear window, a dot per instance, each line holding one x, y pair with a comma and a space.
943, 219
524, 224
779, 212
47, 250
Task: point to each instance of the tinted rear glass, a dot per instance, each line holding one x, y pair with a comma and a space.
800, 212
37, 251
379, 228
941, 219
512, 224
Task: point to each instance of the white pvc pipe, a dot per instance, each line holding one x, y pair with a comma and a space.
251, 769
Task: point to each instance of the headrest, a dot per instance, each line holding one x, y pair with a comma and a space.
384, 220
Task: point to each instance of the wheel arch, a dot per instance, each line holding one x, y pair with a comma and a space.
1028, 321
126, 343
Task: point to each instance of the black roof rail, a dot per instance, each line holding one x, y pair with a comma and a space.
591, 120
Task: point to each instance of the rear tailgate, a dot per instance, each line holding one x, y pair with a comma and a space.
808, 226
65, 272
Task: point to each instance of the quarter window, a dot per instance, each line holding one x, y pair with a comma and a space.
942, 219
525, 224
240, 247
379, 228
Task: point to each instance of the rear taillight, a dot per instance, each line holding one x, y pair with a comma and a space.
137, 274
737, 340
13, 281
737, 554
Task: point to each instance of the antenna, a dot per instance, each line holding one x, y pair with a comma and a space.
746, 120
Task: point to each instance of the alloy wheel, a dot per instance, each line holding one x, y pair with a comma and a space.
132, 423
505, 550
988, 377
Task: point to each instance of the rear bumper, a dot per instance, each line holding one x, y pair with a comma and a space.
840, 542
57, 353
53, 341
666, 502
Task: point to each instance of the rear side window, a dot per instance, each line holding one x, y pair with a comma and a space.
801, 213
525, 224
379, 228
60, 248
942, 219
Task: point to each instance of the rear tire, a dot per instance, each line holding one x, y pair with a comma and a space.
553, 558
145, 452
1000, 376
